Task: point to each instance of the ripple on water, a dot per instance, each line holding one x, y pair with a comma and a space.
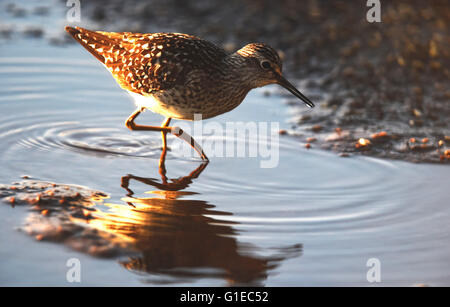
62, 120
326, 194
44, 132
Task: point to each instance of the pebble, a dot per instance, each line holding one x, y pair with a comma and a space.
362, 143
317, 128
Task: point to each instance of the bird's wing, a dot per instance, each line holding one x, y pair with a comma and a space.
146, 63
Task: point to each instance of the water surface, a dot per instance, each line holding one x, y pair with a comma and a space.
315, 219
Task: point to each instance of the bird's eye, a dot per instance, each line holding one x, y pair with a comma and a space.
265, 64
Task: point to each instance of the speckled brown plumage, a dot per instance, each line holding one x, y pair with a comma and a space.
182, 76
145, 63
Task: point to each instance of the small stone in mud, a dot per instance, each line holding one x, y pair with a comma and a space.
305, 118
362, 143
307, 146
422, 148
381, 134
338, 136
417, 113
416, 123
379, 137
38, 198
317, 128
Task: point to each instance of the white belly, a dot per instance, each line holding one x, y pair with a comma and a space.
155, 105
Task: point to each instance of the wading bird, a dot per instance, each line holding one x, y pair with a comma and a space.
180, 76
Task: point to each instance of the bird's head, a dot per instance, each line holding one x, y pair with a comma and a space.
263, 66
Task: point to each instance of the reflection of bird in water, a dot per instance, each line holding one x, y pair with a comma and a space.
179, 76
166, 185
180, 239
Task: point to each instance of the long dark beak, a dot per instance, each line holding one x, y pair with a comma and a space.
287, 85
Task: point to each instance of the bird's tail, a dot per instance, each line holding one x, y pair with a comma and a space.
98, 44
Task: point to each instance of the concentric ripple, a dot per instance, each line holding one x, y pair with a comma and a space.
45, 132
42, 112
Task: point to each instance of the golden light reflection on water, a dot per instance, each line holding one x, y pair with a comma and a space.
177, 239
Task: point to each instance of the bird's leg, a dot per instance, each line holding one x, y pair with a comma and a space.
164, 134
132, 126
178, 132
162, 159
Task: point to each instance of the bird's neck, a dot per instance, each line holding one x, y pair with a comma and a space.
238, 69
236, 59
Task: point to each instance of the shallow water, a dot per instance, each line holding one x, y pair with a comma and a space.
315, 219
